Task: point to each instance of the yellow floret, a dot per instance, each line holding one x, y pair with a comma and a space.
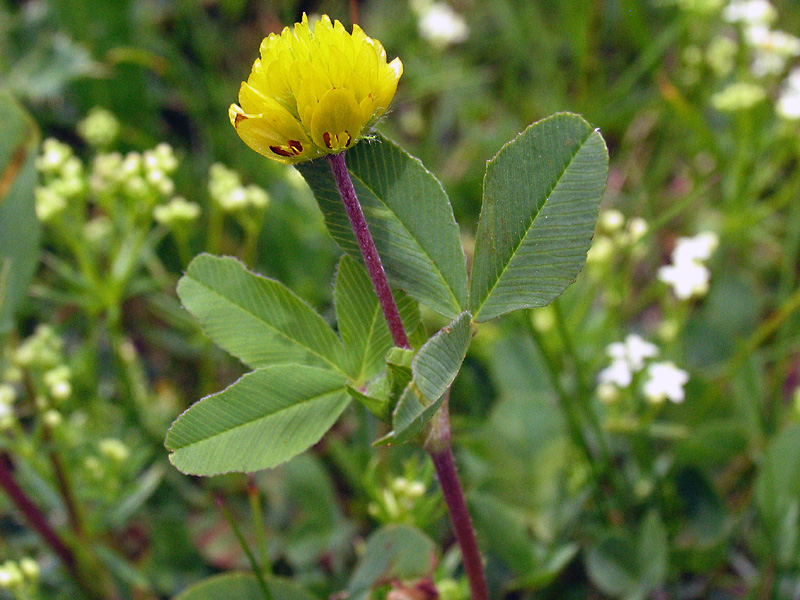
314, 91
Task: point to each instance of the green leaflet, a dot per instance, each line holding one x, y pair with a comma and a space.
778, 494
258, 320
409, 216
628, 566
265, 418
540, 199
242, 586
363, 329
19, 228
392, 552
433, 369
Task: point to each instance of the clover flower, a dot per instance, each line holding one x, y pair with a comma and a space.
314, 91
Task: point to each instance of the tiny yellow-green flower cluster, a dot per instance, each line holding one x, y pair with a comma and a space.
314, 91
227, 191
20, 578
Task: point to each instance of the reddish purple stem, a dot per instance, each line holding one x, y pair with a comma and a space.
367, 246
441, 452
34, 515
445, 466
438, 441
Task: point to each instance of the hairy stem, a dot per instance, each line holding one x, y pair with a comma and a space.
437, 442
440, 450
367, 246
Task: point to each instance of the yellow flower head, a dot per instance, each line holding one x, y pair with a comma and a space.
314, 91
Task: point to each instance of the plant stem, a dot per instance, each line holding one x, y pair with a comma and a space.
438, 446
266, 592
582, 402
32, 513
39, 522
573, 417
65, 488
437, 442
368, 250
254, 495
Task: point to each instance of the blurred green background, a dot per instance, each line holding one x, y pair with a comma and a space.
692, 111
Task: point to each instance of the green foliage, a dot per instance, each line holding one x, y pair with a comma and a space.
578, 488
258, 320
262, 420
540, 199
242, 586
364, 332
394, 552
410, 218
19, 228
631, 568
778, 495
433, 370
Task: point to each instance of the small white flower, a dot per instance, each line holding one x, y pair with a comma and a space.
442, 26
637, 229
235, 200
607, 392
8, 394
772, 40
697, 248
10, 575
772, 49
788, 105
749, 11
634, 350
6, 416
611, 220
665, 382
687, 274
627, 358
618, 373
688, 279
52, 418
131, 165
53, 157
161, 158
